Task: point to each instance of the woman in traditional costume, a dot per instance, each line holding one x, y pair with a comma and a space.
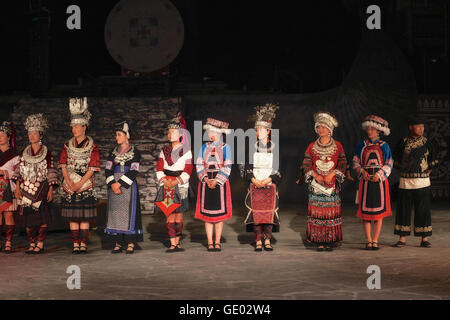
173, 170
263, 175
373, 164
124, 222
9, 165
37, 180
324, 167
213, 166
79, 160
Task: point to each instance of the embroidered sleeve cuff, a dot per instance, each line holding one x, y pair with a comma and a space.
109, 180
125, 181
309, 176
339, 175
380, 174
95, 169
202, 177
184, 177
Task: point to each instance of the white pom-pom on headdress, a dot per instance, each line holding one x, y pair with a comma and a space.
126, 129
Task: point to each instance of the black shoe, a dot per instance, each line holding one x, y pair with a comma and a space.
211, 247
83, 249
117, 249
219, 248
400, 244
375, 246
172, 248
76, 250
369, 246
130, 249
268, 247
8, 249
31, 249
258, 247
39, 251
425, 244
328, 249
320, 248
179, 248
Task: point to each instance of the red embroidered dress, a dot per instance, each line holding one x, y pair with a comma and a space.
324, 224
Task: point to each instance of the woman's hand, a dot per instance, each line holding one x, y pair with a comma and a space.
212, 184
18, 192
329, 178
365, 175
115, 187
71, 185
375, 178
257, 183
50, 195
319, 178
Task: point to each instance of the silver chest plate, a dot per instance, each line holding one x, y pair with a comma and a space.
262, 165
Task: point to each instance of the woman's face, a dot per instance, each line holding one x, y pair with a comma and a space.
121, 137
262, 133
34, 136
4, 139
173, 135
214, 136
417, 129
373, 133
323, 131
78, 130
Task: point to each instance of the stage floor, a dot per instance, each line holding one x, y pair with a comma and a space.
291, 271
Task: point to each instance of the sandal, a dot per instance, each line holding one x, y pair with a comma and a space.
40, 249
76, 249
258, 246
83, 248
8, 249
218, 249
31, 248
172, 248
179, 248
117, 249
211, 247
320, 248
130, 249
400, 244
375, 246
369, 246
425, 244
268, 246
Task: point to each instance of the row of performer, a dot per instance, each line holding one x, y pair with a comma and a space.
28, 181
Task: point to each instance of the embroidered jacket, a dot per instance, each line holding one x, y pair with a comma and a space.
129, 158
214, 157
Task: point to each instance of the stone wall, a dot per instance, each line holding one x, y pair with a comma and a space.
147, 118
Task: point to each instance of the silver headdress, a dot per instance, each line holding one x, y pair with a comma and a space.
175, 122
325, 119
123, 126
79, 111
36, 122
265, 115
6, 128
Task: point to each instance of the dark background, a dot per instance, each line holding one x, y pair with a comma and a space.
285, 46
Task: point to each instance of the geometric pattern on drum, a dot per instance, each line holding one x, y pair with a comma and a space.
118, 204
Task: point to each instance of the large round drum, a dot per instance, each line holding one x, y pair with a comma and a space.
144, 35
